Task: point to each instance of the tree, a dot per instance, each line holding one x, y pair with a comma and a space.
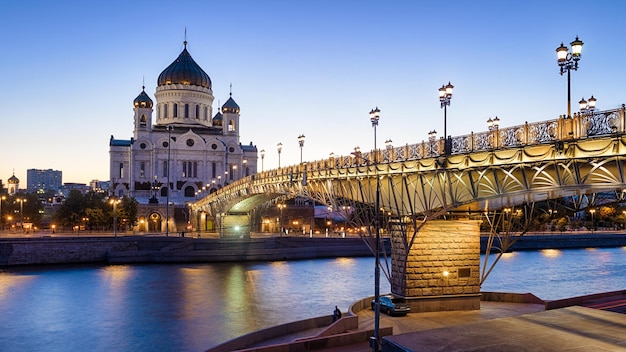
71, 212
127, 211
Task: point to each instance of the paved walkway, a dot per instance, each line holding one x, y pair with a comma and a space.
501, 327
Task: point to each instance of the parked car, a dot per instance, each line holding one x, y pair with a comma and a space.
392, 306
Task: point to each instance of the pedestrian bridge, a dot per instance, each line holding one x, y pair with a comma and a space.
485, 171
405, 190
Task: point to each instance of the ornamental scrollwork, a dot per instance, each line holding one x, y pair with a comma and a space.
599, 124
543, 132
460, 144
482, 141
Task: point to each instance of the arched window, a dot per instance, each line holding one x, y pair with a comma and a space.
197, 112
231, 126
206, 113
164, 192
142, 121
186, 111
190, 191
175, 113
165, 114
121, 173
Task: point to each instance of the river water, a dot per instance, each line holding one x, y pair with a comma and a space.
192, 307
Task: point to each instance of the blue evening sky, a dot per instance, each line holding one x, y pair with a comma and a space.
71, 70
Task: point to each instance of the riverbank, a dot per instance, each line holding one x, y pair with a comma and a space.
158, 249
539, 325
143, 249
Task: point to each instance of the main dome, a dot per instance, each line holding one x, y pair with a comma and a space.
184, 70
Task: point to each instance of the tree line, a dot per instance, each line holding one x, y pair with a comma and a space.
92, 211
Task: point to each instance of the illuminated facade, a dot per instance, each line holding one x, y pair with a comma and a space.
184, 152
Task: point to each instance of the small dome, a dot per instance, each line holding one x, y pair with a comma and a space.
218, 120
230, 106
143, 100
14, 180
184, 70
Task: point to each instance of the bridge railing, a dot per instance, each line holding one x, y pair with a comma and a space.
580, 126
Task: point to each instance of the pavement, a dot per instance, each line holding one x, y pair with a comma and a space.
498, 327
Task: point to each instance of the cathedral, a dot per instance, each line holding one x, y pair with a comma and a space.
183, 154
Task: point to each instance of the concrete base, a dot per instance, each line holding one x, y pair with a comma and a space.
444, 303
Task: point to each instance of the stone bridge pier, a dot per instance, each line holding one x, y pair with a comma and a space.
441, 269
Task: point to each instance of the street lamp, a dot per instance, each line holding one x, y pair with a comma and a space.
1, 199
279, 147
374, 117
492, 124
167, 198
569, 61
445, 95
588, 106
301, 142
21, 200
281, 206
592, 211
114, 202
262, 159
389, 146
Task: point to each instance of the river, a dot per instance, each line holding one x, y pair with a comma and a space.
192, 307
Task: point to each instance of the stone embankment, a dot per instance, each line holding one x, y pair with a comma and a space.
538, 241
140, 249
148, 249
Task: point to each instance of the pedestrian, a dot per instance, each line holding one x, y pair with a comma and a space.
336, 314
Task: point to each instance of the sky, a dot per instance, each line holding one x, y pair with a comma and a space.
71, 70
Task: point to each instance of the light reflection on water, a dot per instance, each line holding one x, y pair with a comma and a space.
191, 307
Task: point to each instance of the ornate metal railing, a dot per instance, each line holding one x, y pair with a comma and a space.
579, 126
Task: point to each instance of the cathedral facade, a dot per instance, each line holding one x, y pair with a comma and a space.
184, 152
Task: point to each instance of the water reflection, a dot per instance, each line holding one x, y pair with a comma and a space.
191, 307
551, 253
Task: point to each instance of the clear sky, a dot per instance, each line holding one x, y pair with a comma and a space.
71, 70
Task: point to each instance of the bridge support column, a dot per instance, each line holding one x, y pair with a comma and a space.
441, 270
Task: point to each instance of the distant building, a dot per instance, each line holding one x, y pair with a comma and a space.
13, 185
100, 186
42, 181
67, 187
185, 151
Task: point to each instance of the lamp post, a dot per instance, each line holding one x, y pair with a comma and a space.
281, 206
114, 202
21, 200
1, 199
587, 106
592, 211
262, 159
492, 125
301, 143
389, 147
279, 147
445, 95
167, 198
569, 61
374, 117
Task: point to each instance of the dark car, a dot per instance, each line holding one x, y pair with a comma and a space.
393, 306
